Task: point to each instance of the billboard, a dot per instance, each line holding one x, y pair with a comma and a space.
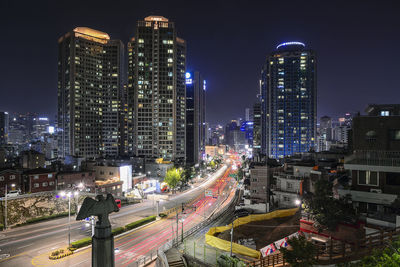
125, 175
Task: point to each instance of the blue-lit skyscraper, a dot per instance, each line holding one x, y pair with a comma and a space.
195, 117
289, 100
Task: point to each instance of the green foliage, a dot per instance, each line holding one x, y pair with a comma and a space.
188, 174
140, 222
44, 218
57, 252
162, 215
301, 254
173, 177
88, 240
387, 257
326, 210
212, 164
82, 242
118, 230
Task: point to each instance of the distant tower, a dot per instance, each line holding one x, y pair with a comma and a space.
289, 94
156, 91
89, 83
4, 120
196, 129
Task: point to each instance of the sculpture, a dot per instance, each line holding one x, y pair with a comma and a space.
102, 240
100, 208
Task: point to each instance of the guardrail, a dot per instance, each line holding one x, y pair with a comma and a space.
337, 251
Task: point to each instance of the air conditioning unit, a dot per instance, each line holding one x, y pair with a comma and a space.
376, 191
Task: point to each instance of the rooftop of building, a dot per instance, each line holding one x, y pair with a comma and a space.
156, 18
92, 33
39, 171
293, 45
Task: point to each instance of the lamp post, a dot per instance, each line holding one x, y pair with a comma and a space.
5, 206
69, 194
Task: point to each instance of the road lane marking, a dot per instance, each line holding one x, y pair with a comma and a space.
20, 254
25, 246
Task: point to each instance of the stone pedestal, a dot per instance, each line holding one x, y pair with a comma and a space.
103, 247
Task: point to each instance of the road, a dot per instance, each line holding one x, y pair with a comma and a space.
31, 244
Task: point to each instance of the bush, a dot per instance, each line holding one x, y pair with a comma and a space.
140, 222
162, 215
82, 242
88, 240
118, 230
44, 218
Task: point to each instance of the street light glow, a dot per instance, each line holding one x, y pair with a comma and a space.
297, 202
62, 193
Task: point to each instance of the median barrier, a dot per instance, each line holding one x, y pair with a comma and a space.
219, 243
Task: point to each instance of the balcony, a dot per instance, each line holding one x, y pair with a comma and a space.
285, 175
374, 158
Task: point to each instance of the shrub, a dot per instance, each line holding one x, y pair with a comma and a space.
162, 215
82, 242
118, 230
140, 222
44, 218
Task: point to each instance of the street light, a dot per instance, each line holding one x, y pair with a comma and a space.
69, 194
297, 202
5, 205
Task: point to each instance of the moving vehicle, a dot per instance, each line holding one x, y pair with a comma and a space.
118, 201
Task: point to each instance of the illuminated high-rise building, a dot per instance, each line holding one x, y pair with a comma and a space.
289, 95
4, 119
196, 129
90, 68
156, 91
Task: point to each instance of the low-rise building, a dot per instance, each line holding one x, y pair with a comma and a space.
375, 164
40, 180
12, 178
84, 180
32, 159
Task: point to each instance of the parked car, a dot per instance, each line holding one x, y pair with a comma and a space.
13, 193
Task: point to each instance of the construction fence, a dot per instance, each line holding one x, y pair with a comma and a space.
225, 245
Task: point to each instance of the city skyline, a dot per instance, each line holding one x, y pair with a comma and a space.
350, 47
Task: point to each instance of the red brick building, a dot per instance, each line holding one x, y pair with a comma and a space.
13, 179
40, 180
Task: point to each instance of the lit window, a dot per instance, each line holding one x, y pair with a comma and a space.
384, 113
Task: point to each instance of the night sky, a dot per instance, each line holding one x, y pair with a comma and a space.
357, 45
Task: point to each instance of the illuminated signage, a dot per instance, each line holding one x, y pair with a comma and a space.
290, 43
188, 76
50, 129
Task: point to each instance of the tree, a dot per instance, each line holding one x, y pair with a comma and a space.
173, 177
326, 210
387, 257
212, 164
301, 253
188, 174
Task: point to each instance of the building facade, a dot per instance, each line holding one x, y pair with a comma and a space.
4, 120
157, 91
289, 92
195, 117
375, 164
90, 69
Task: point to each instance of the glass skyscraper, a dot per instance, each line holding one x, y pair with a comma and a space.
289, 100
195, 117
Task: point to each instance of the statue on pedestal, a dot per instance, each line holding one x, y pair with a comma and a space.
102, 241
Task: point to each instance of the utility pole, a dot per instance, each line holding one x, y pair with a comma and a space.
177, 228
231, 237
5, 211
